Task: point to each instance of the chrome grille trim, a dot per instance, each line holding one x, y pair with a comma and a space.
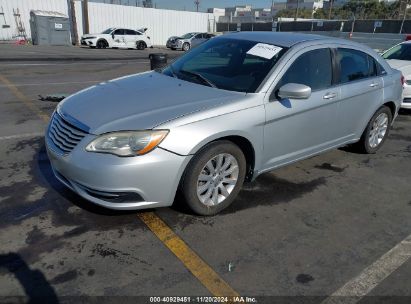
63, 136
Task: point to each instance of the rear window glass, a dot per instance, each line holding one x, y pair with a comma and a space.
354, 65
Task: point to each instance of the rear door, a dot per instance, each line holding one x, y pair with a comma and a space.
130, 37
198, 39
361, 83
296, 128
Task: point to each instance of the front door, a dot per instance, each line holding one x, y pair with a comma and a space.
119, 39
297, 128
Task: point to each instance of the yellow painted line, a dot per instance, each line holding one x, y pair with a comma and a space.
23, 98
203, 272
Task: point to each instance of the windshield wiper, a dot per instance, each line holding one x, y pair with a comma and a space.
201, 77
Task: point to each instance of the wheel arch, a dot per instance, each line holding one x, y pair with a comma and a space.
242, 142
391, 105
103, 39
138, 41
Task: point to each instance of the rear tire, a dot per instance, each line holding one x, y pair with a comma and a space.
214, 177
376, 131
141, 45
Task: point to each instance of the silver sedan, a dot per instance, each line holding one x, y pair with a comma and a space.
227, 111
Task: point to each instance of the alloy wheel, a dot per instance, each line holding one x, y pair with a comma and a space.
217, 179
378, 130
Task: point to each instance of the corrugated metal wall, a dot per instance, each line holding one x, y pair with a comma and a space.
24, 7
161, 24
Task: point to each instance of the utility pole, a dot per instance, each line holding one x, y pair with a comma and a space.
331, 8
296, 10
73, 22
197, 3
85, 17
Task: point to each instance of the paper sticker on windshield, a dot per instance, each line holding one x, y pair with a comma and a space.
267, 51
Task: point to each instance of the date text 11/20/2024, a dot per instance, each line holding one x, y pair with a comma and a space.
231, 299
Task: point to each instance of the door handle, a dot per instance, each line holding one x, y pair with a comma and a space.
330, 96
374, 85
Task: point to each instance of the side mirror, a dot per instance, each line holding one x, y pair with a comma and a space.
112, 35
294, 91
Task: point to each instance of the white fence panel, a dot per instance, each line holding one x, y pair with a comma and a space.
161, 24
24, 7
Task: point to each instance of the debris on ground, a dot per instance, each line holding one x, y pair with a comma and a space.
53, 97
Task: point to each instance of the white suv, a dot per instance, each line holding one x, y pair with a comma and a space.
118, 38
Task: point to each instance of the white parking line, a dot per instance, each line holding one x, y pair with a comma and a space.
21, 136
354, 290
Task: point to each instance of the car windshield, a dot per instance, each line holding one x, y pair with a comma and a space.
188, 35
108, 31
399, 52
229, 64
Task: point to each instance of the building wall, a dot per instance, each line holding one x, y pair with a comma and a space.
161, 24
24, 7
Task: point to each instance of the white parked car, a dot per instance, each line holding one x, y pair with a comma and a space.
118, 38
399, 57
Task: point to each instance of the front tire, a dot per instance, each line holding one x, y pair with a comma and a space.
376, 131
101, 44
214, 178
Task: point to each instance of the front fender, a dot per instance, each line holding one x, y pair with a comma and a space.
189, 138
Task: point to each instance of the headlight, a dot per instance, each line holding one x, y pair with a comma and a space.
127, 143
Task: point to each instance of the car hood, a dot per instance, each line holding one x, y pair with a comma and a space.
402, 65
92, 35
141, 101
399, 64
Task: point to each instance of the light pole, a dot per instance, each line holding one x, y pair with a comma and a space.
405, 15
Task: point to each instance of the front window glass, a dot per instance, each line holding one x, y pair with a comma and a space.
226, 63
399, 52
107, 31
119, 32
312, 69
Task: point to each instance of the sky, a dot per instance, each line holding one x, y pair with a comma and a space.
204, 4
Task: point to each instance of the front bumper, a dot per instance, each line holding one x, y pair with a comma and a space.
122, 183
174, 45
88, 42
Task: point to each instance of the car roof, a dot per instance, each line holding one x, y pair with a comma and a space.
284, 39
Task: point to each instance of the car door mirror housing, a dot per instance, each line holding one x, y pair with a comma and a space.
294, 91
112, 35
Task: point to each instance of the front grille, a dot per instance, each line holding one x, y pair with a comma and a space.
63, 135
407, 100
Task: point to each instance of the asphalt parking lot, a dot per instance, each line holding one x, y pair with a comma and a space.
335, 224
